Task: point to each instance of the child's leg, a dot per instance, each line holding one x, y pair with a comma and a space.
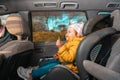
37, 72
49, 61
42, 70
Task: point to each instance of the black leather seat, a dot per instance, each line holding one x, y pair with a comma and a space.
61, 72
111, 71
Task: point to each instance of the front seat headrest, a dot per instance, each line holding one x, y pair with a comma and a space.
16, 25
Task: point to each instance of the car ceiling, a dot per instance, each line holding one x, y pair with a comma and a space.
8, 6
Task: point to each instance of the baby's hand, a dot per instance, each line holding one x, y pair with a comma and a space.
58, 43
55, 56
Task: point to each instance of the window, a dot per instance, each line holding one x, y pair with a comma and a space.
48, 26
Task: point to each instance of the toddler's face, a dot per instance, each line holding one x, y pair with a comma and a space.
70, 33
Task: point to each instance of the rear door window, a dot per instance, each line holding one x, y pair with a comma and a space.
48, 26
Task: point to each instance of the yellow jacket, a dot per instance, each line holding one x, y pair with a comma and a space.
67, 52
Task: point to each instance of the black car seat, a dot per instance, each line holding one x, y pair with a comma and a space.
61, 72
111, 71
16, 52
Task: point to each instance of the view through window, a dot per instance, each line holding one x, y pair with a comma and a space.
48, 26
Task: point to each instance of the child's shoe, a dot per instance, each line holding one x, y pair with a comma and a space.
24, 73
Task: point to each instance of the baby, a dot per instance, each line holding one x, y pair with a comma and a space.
65, 54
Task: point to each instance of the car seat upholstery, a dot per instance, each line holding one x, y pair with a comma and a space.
6, 36
16, 52
61, 72
84, 52
16, 26
96, 23
111, 71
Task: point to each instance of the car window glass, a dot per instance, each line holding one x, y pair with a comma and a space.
48, 26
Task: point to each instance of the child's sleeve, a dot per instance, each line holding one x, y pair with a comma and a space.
68, 55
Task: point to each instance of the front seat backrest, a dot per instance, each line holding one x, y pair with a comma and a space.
17, 52
15, 25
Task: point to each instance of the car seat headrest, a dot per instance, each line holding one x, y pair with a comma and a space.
116, 22
15, 25
95, 23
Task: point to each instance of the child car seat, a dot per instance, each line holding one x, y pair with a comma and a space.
111, 71
61, 72
91, 41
